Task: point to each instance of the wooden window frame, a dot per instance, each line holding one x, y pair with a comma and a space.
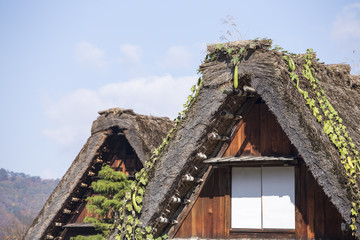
265, 232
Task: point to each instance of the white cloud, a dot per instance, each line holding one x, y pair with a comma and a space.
347, 24
131, 54
48, 173
88, 55
177, 57
71, 116
64, 135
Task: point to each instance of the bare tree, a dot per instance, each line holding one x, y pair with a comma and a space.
15, 228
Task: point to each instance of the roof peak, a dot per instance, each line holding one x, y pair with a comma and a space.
116, 111
252, 44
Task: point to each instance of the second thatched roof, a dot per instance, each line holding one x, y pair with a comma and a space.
143, 133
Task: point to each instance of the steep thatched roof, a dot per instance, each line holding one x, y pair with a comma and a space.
143, 133
265, 71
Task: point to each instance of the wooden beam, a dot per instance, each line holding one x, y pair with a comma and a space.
74, 199
163, 220
188, 178
310, 182
249, 89
216, 137
99, 160
175, 199
66, 211
201, 155
226, 114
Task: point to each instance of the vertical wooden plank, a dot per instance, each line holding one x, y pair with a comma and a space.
255, 130
285, 143
236, 142
246, 145
221, 218
298, 216
242, 140
226, 199
217, 201
180, 233
265, 125
303, 203
310, 182
217, 212
284, 147
185, 231
193, 218
273, 139
275, 135
319, 213
196, 218
250, 141
83, 213
333, 221
206, 208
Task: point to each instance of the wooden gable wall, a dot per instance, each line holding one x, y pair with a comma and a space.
122, 157
260, 134
124, 160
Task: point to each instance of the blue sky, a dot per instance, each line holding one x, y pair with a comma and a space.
63, 61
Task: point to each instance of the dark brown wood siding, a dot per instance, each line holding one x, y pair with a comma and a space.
260, 134
209, 216
123, 158
125, 161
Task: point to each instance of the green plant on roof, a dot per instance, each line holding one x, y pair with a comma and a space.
130, 225
333, 126
108, 202
92, 237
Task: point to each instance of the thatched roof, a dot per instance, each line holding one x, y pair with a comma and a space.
265, 71
143, 133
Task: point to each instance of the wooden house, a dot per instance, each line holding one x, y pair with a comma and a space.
254, 162
120, 138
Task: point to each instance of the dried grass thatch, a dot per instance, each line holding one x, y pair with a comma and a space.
265, 71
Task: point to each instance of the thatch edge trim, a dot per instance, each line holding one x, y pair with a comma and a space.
194, 129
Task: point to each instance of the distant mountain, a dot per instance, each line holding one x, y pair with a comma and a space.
21, 198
